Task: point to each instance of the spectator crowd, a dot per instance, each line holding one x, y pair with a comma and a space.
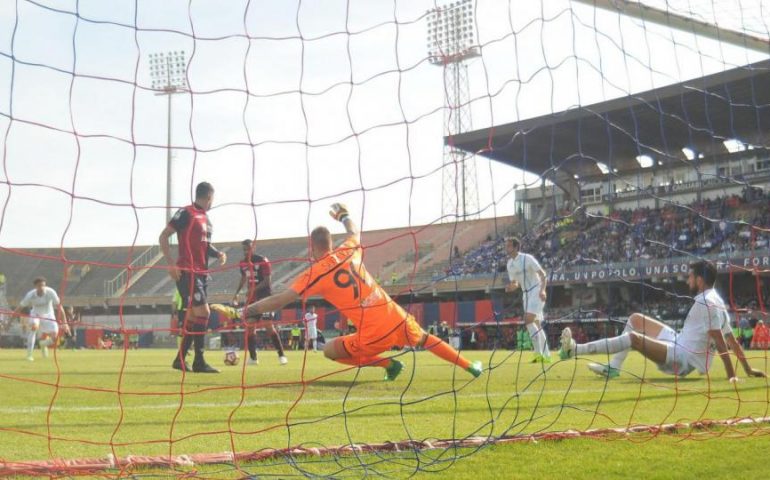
722, 226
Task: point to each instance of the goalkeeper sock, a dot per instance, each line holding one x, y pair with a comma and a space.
277, 342
374, 361
443, 350
605, 345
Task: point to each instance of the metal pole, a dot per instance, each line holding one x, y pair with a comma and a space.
168, 163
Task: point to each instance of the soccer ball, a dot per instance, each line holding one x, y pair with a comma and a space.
231, 358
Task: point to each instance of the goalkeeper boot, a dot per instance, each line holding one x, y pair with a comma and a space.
567, 347
476, 368
603, 370
393, 370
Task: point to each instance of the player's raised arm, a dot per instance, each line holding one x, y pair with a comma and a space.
270, 304
339, 212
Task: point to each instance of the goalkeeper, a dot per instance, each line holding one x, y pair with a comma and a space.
339, 276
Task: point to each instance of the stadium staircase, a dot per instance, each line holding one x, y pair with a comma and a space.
127, 277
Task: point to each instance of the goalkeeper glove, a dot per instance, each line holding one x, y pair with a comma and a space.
339, 212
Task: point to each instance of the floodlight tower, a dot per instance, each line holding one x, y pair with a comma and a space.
168, 71
451, 43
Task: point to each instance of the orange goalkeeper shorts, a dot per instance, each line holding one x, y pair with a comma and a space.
368, 341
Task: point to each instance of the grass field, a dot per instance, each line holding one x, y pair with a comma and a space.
79, 405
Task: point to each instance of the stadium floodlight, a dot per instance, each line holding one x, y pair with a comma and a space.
168, 74
451, 38
451, 41
168, 71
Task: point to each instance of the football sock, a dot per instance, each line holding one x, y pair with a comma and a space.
251, 341
538, 337
443, 350
605, 345
199, 338
277, 342
31, 335
617, 360
187, 340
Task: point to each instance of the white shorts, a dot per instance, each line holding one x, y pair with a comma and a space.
532, 303
312, 331
677, 357
43, 325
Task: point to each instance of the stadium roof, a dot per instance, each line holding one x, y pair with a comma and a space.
698, 114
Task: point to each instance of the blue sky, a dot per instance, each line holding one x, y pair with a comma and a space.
294, 105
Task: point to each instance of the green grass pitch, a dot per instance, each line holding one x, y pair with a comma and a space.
79, 405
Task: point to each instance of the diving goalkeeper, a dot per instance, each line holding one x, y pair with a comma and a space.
339, 276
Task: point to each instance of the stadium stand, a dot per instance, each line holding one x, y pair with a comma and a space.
393, 251
86, 268
627, 235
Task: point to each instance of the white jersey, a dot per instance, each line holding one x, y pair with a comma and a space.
42, 306
311, 320
707, 313
523, 269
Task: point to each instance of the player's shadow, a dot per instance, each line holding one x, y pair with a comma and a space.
67, 373
342, 383
670, 380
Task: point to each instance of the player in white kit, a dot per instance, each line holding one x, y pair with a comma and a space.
707, 327
311, 328
41, 322
525, 273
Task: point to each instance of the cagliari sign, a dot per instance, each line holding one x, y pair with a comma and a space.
649, 269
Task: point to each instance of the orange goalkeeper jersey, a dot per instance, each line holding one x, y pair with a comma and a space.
341, 278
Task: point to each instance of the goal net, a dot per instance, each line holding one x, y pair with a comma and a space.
619, 141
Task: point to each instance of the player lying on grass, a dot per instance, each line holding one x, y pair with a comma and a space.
707, 324
339, 276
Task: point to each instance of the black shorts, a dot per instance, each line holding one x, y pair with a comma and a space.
195, 294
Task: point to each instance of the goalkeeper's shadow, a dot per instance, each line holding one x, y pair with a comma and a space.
341, 383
